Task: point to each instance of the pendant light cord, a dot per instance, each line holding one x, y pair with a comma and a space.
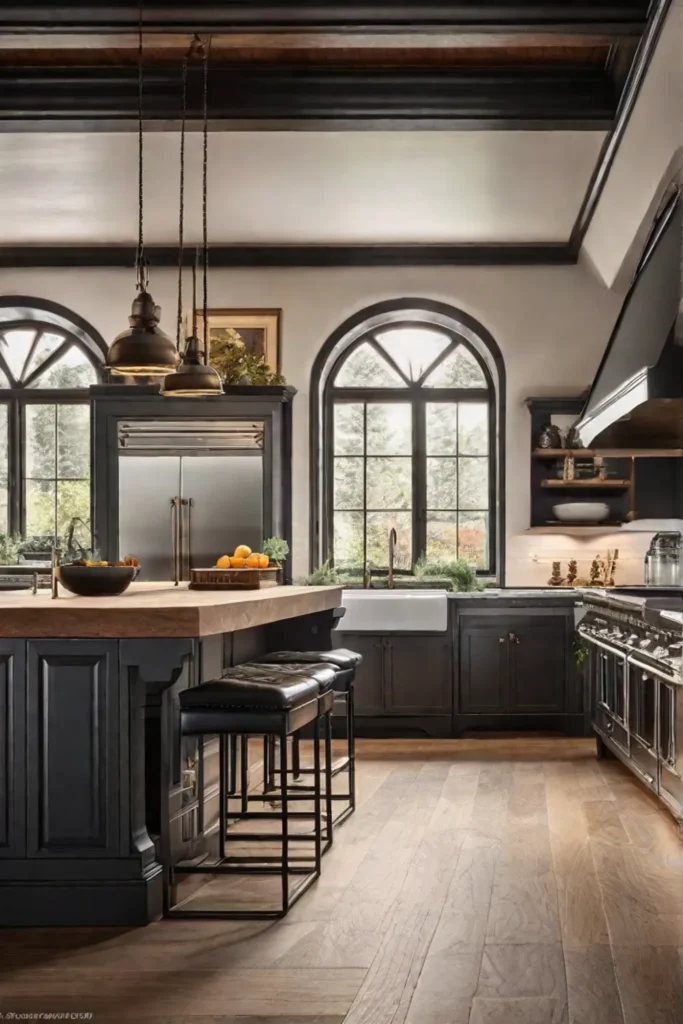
205, 234
181, 205
140, 263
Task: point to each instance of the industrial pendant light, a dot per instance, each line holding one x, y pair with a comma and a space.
194, 377
143, 350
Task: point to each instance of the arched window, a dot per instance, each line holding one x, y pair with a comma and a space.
408, 421
48, 359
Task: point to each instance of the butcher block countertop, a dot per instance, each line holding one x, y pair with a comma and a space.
157, 610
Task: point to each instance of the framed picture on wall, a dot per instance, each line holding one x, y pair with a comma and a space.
257, 330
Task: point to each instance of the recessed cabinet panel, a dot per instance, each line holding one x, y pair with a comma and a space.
370, 674
483, 667
12, 748
538, 653
73, 732
419, 678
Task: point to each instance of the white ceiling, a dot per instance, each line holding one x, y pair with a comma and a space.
298, 187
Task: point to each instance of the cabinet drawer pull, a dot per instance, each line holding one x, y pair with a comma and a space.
501, 639
513, 638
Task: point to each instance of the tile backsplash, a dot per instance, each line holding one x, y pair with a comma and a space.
530, 557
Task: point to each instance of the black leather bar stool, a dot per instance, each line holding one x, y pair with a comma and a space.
345, 663
263, 705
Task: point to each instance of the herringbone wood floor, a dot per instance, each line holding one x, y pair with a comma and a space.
514, 881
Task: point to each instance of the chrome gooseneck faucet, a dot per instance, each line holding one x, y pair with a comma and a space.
393, 539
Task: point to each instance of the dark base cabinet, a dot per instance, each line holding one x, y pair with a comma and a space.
502, 665
405, 684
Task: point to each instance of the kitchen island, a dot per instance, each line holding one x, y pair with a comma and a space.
86, 687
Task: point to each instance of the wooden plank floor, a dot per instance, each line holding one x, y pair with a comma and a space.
513, 881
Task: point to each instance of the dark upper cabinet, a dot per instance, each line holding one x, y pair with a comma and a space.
73, 749
516, 663
538, 665
418, 677
483, 673
12, 748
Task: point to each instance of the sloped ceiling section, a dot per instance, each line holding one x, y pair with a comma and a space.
649, 156
299, 188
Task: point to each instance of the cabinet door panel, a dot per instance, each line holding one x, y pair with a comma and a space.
484, 672
12, 748
369, 682
419, 678
538, 657
73, 739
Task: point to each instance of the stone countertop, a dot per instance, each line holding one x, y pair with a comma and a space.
157, 610
516, 593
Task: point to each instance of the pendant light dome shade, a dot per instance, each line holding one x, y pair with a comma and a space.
143, 350
194, 377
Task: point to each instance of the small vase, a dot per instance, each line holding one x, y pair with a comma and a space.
550, 437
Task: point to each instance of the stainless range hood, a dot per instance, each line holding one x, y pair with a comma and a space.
636, 400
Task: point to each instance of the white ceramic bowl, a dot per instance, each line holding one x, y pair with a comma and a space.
581, 512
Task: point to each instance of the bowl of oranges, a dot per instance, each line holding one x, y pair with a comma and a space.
243, 570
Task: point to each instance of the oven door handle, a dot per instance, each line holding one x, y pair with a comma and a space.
651, 671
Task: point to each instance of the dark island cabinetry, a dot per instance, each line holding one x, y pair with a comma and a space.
12, 749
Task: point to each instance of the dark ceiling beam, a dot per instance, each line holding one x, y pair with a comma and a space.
616, 18
250, 96
629, 96
236, 256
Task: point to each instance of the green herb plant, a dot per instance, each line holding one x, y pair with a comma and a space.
277, 550
10, 548
458, 572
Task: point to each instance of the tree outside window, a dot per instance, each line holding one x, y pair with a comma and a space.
45, 372
409, 421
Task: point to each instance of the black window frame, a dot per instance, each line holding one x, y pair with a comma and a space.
418, 396
20, 313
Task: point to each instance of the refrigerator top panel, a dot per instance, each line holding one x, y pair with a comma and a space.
190, 436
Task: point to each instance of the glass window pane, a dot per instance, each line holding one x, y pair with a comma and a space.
389, 483
47, 344
73, 499
459, 369
390, 429
379, 526
348, 539
442, 483
413, 349
442, 536
366, 368
73, 441
72, 370
3, 469
473, 483
473, 428
15, 349
348, 428
442, 428
41, 459
348, 483
40, 507
473, 538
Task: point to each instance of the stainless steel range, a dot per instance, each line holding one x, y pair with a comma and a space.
634, 668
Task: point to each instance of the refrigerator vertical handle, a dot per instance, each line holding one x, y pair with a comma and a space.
186, 548
176, 538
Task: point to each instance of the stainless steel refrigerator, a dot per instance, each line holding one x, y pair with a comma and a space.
188, 493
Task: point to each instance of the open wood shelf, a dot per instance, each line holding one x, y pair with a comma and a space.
608, 453
595, 484
576, 531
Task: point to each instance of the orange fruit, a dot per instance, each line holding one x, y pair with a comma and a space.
223, 562
237, 563
263, 561
242, 551
254, 562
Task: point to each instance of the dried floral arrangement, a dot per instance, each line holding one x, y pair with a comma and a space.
235, 364
602, 572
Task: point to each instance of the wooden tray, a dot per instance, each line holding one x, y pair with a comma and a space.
233, 579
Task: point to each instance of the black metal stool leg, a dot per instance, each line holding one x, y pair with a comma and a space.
284, 804
317, 798
328, 779
232, 773
351, 745
296, 757
244, 781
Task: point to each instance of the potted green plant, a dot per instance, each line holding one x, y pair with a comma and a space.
277, 550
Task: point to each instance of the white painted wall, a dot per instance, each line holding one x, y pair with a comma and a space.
552, 325
645, 162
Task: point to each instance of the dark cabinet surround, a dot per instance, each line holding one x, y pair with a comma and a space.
502, 664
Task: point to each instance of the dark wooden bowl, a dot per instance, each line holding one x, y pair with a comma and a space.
96, 580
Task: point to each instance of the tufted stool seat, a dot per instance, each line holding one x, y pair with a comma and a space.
249, 701
344, 662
